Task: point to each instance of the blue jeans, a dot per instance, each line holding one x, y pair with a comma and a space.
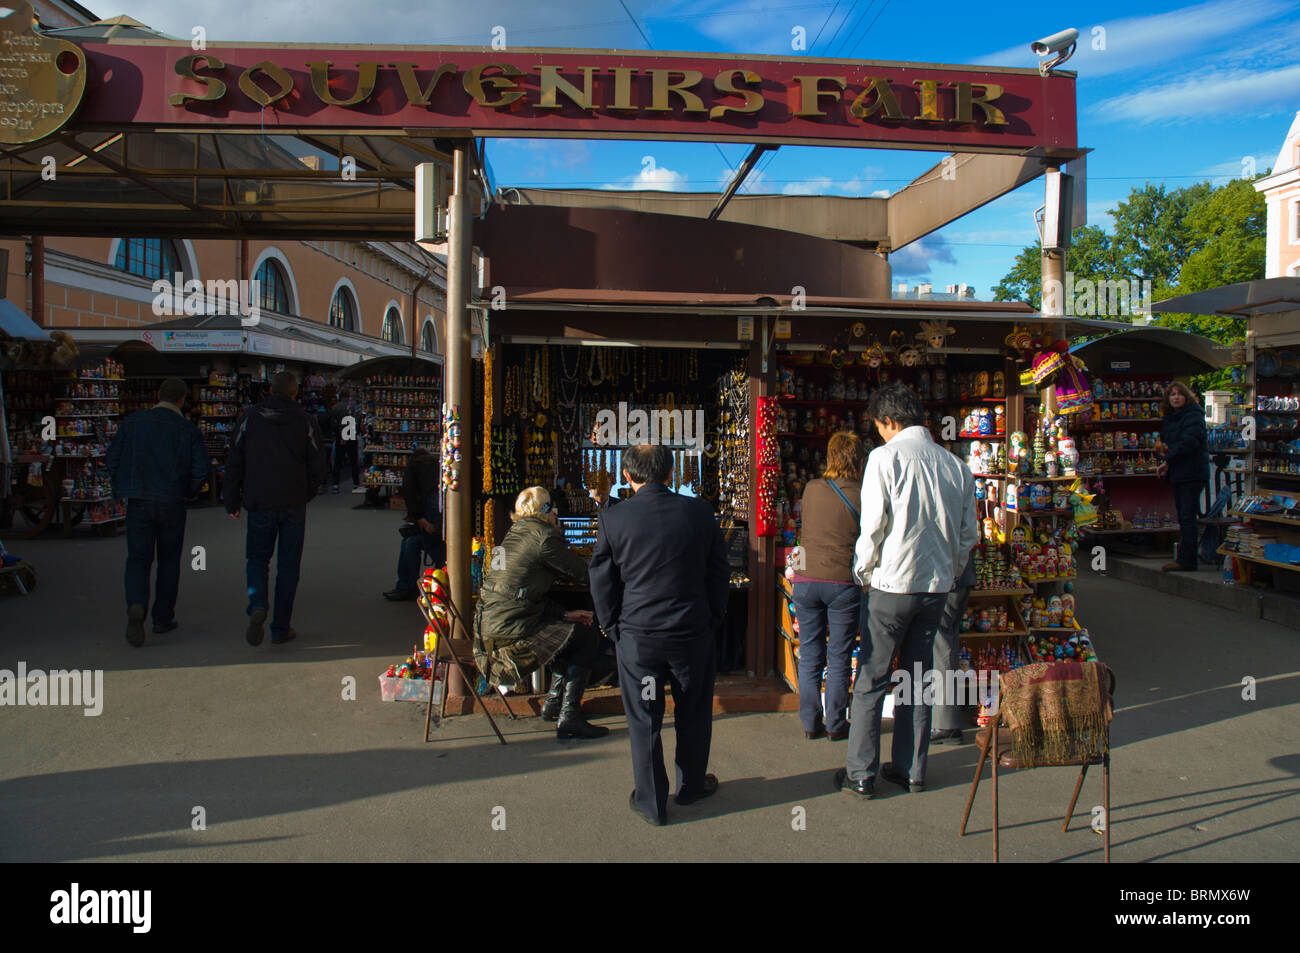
154, 527
819, 607
408, 561
282, 532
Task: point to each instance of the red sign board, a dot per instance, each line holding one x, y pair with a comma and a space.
580, 94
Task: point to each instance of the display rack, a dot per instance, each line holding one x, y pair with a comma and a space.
399, 413
87, 413
1268, 536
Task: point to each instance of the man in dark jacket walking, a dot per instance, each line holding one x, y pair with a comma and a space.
275, 465
659, 579
343, 430
157, 460
420, 493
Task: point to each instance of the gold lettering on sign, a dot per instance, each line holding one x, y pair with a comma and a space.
553, 83
929, 90
992, 115
415, 96
724, 85
811, 93
215, 88
474, 81
660, 87
320, 83
622, 88
886, 102
248, 85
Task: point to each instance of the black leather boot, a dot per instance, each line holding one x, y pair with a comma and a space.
551, 707
571, 723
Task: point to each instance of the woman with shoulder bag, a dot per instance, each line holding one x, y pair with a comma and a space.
826, 597
1186, 466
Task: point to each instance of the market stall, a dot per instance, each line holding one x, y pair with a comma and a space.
1119, 446
1264, 547
769, 398
400, 404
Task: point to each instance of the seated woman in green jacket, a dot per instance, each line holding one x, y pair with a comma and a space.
518, 630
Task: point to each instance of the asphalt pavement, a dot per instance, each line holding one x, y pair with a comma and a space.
208, 749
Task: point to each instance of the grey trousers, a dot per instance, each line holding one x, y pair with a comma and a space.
947, 649
902, 623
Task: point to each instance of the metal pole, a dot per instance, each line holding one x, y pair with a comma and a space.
459, 381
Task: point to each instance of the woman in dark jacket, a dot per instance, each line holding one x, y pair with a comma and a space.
518, 630
826, 599
1186, 466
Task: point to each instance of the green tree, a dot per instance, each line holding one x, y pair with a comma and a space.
1152, 239
1089, 256
1227, 231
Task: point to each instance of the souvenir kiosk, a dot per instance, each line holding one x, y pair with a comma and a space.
1264, 546
1130, 371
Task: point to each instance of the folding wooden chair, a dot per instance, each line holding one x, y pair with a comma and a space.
997, 736
465, 662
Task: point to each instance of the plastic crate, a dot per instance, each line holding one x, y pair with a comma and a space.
409, 689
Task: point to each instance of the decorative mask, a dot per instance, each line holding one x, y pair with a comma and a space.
934, 334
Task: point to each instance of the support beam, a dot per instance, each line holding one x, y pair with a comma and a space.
739, 178
459, 381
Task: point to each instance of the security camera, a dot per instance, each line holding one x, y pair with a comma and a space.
1054, 43
1062, 44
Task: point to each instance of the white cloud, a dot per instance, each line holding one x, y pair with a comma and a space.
1259, 93
1139, 42
914, 260
819, 185
652, 177
1223, 172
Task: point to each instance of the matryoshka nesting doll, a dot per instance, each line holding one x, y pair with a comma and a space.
939, 385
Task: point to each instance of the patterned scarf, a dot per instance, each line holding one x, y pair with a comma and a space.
1057, 711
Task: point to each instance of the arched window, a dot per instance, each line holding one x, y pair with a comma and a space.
150, 258
392, 332
273, 286
427, 340
343, 313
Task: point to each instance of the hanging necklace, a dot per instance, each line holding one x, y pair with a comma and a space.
564, 365
596, 373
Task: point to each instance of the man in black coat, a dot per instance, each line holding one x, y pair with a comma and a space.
424, 535
275, 465
659, 584
157, 460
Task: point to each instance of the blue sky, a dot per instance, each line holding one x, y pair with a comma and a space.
1167, 92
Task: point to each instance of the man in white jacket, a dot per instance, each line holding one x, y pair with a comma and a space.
918, 527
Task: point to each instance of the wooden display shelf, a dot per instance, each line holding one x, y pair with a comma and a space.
1267, 518
1008, 634
1222, 551
1128, 532
989, 593
981, 436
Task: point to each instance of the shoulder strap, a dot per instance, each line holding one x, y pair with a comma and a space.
840, 493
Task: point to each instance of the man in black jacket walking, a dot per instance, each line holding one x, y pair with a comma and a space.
157, 460
659, 578
275, 465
